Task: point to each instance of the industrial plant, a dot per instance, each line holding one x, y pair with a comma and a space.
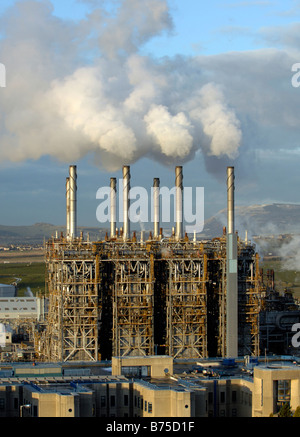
141, 296
149, 324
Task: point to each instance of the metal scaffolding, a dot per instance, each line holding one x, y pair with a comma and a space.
186, 308
116, 298
73, 282
132, 302
175, 296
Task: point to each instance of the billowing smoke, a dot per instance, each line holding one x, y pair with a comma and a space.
76, 88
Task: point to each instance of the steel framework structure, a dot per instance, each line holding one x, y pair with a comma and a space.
187, 308
73, 283
119, 298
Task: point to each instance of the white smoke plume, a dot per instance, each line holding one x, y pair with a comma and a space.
75, 88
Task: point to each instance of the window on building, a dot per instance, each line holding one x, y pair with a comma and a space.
222, 397
233, 396
136, 371
283, 391
103, 401
125, 400
149, 407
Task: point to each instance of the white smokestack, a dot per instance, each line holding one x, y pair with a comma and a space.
156, 206
179, 201
230, 200
231, 273
73, 201
68, 206
113, 206
126, 202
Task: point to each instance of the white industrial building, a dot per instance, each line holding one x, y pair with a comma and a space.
8, 290
21, 308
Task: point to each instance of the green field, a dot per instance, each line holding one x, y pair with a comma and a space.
31, 274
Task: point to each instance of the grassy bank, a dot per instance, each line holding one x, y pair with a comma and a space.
30, 274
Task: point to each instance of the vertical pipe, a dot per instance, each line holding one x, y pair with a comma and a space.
73, 201
113, 207
231, 273
126, 202
156, 206
179, 201
230, 200
68, 206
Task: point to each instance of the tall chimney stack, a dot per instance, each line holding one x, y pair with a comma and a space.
179, 201
68, 206
73, 200
231, 273
126, 201
113, 206
230, 200
156, 206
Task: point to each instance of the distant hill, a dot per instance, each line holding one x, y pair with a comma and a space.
35, 234
273, 219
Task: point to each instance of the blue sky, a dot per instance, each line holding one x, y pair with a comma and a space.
217, 73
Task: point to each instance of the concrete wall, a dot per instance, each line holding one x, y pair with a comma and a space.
158, 364
265, 388
152, 401
229, 397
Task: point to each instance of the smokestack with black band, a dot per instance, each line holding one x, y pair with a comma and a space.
113, 207
156, 207
179, 201
231, 273
230, 200
126, 202
73, 201
68, 206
